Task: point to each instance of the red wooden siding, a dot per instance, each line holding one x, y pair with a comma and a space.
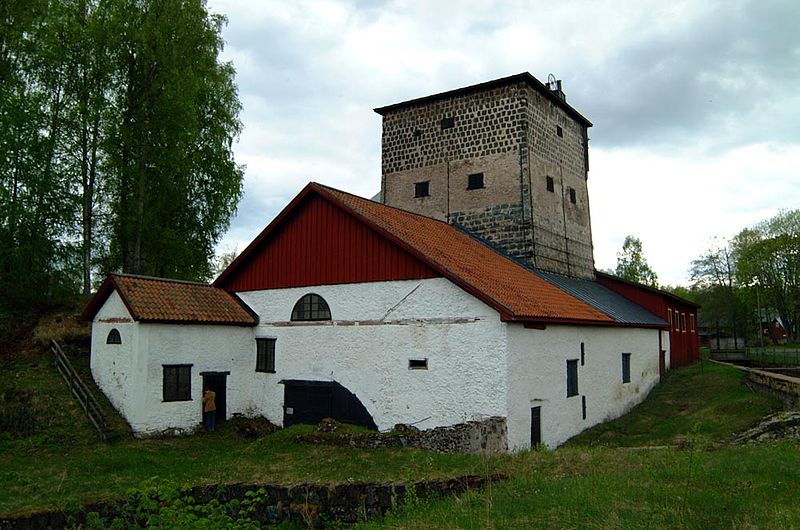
684, 344
321, 244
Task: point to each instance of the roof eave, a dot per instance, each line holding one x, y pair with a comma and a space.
525, 77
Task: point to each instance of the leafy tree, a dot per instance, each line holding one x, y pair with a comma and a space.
632, 265
175, 183
769, 259
714, 277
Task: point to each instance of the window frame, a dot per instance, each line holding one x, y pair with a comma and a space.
472, 184
572, 378
421, 186
309, 317
114, 337
267, 364
177, 393
626, 368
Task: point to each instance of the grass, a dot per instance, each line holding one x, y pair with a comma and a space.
62, 463
597, 480
708, 399
747, 487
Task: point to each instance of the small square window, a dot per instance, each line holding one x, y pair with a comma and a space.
421, 189
572, 378
418, 364
551, 187
626, 367
572, 196
448, 123
559, 131
177, 383
265, 355
475, 181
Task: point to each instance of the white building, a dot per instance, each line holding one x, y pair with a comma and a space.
350, 309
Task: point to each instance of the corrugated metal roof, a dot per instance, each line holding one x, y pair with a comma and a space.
604, 299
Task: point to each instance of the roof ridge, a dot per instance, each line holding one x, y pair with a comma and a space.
157, 279
395, 208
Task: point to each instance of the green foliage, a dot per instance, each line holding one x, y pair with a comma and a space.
161, 503
116, 128
632, 265
768, 258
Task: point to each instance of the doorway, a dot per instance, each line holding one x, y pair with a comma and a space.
218, 383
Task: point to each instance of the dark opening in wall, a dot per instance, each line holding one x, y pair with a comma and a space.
572, 197
583, 355
572, 377
421, 189
551, 187
583, 406
448, 123
418, 364
475, 181
626, 367
559, 131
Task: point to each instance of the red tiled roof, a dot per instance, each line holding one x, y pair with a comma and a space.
172, 301
502, 283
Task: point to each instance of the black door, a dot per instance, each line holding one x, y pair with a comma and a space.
311, 401
217, 382
536, 426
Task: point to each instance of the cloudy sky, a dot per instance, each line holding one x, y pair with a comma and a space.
695, 104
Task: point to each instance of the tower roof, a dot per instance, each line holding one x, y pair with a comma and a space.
524, 77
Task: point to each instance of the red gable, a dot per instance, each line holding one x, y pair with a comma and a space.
325, 236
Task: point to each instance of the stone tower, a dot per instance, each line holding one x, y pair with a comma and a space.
507, 160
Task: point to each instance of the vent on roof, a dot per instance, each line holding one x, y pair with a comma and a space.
555, 87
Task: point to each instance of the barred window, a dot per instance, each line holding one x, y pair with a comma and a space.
114, 337
177, 382
311, 307
265, 355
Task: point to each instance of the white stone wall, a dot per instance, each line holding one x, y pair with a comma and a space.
376, 329
537, 376
114, 365
208, 349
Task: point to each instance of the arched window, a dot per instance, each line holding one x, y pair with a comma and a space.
114, 337
311, 307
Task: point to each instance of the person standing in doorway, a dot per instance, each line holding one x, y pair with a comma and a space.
209, 409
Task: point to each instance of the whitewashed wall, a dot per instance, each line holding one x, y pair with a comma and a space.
114, 365
207, 348
537, 376
376, 329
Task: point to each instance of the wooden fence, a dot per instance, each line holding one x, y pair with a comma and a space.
81, 392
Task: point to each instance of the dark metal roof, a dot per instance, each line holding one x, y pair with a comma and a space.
654, 290
604, 299
488, 85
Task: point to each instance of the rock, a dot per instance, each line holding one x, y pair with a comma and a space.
779, 426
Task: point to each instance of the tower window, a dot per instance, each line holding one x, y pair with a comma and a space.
421, 189
475, 181
559, 131
551, 187
114, 337
448, 123
572, 197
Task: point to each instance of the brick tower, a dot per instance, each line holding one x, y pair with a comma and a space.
507, 160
